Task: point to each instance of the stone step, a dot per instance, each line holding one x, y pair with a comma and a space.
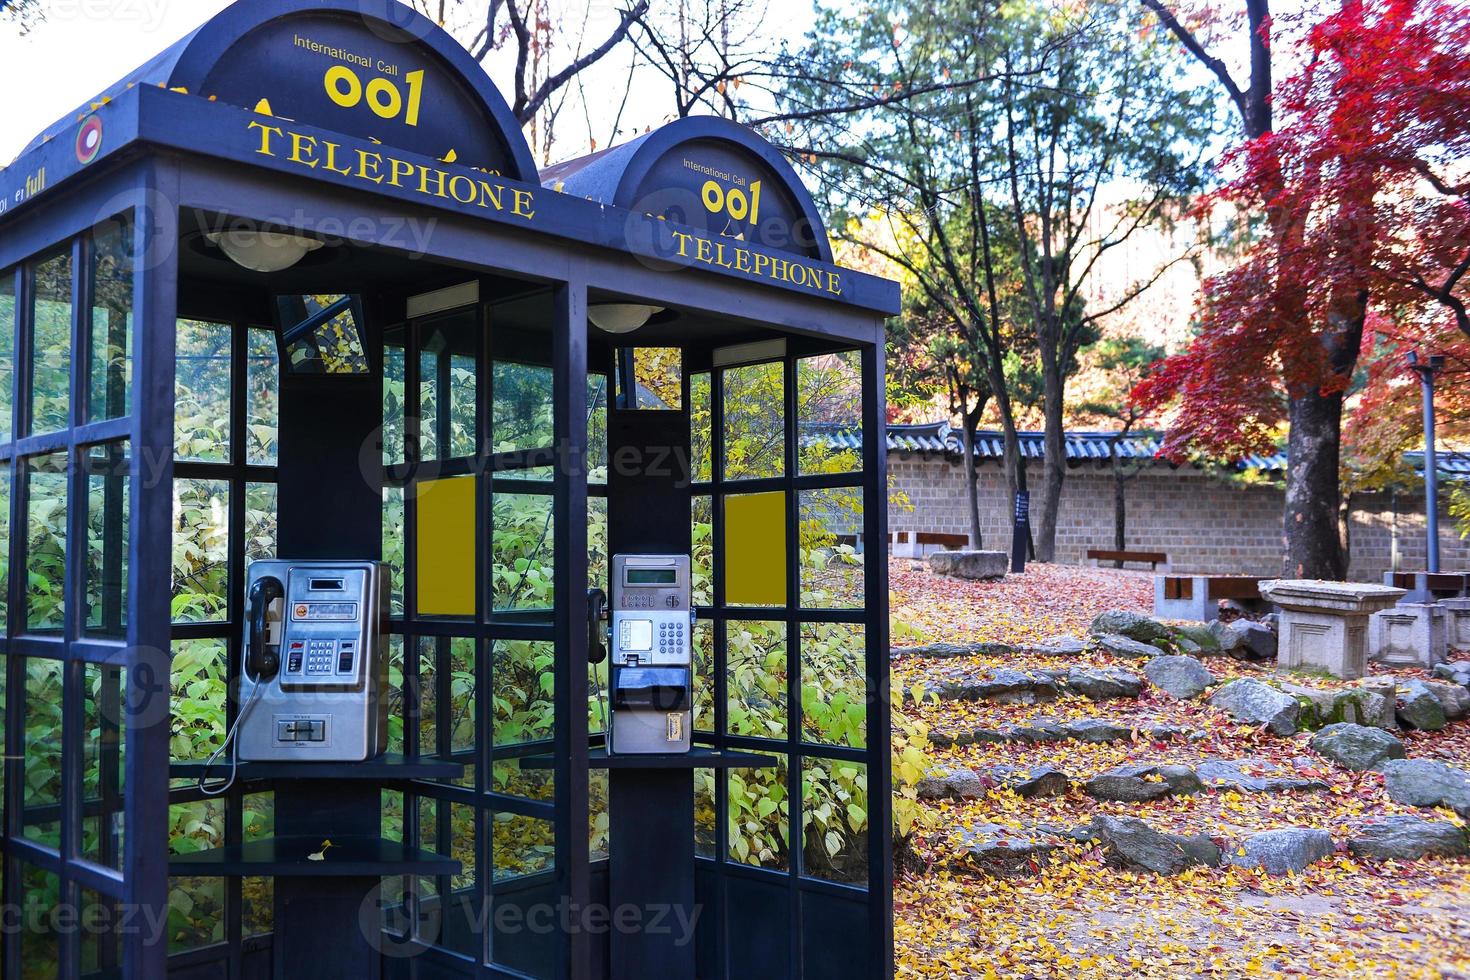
1098, 731
1130, 844
1138, 782
1008, 686
949, 651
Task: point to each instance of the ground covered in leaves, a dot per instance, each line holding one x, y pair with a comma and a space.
1075, 917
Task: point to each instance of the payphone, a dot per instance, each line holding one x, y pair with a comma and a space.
651, 637
314, 679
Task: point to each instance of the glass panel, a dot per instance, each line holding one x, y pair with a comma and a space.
395, 439
201, 550
834, 692
46, 542
444, 561
425, 696
101, 922
462, 927
198, 687
754, 421
4, 549
755, 662
755, 549
42, 760
700, 451
258, 821
597, 544
459, 719
393, 545
110, 364
521, 415
702, 553
829, 411
106, 571
7, 351
202, 391
260, 521
758, 816
599, 826
704, 813
704, 675
428, 405
196, 906
657, 380
447, 379
322, 334
262, 396
51, 343
102, 765
521, 546
396, 701
523, 680
834, 817
597, 428
40, 942
521, 846
831, 563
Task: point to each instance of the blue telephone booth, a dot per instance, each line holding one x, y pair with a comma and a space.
568, 483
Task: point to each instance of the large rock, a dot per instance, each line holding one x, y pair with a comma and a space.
1245, 639
1408, 839
1061, 645
1456, 672
1135, 626
1002, 852
1255, 703
1141, 782
1357, 747
1180, 677
1097, 730
945, 651
1122, 646
974, 565
1254, 776
1425, 782
1104, 683
1279, 852
1032, 782
1004, 685
1198, 634
1453, 698
1419, 708
950, 784
1128, 842
974, 736
1377, 702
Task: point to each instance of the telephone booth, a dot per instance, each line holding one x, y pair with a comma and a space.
295, 291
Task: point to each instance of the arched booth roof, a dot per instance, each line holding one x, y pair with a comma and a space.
257, 54
706, 172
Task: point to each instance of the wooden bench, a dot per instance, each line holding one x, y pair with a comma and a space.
919, 544
1153, 559
1198, 596
1429, 586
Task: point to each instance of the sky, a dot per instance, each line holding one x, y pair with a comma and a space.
85, 45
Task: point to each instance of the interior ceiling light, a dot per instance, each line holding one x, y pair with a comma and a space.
263, 251
621, 317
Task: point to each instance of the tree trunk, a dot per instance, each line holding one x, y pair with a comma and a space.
968, 425
1054, 464
1120, 509
1314, 447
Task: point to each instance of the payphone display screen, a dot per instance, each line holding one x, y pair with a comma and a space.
652, 576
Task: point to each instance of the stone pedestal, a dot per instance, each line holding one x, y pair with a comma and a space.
1457, 623
1412, 634
971, 564
1324, 625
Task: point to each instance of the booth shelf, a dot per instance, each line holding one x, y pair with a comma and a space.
384, 768
289, 857
695, 759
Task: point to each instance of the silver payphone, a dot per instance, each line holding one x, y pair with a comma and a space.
314, 683
651, 637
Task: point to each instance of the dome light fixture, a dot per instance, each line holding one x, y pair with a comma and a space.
621, 317
263, 251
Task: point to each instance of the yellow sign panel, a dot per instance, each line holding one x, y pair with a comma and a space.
755, 549
445, 555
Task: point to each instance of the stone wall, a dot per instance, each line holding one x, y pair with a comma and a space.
1203, 524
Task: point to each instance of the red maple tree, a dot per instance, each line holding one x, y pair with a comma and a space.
1363, 196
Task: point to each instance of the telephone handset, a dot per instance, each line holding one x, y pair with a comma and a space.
596, 613
262, 658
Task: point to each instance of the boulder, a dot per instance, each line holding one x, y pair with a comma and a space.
1357, 747
1180, 677
1255, 703
1001, 852
974, 736
1128, 842
1279, 852
950, 784
1135, 626
1061, 645
1257, 640
1199, 634
1040, 730
1140, 782
1104, 683
1032, 782
1419, 708
1004, 685
1408, 839
1254, 776
1122, 646
1456, 672
1425, 782
1376, 702
973, 565
1097, 730
1454, 699
945, 651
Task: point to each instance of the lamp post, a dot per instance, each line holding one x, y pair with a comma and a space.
1427, 370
